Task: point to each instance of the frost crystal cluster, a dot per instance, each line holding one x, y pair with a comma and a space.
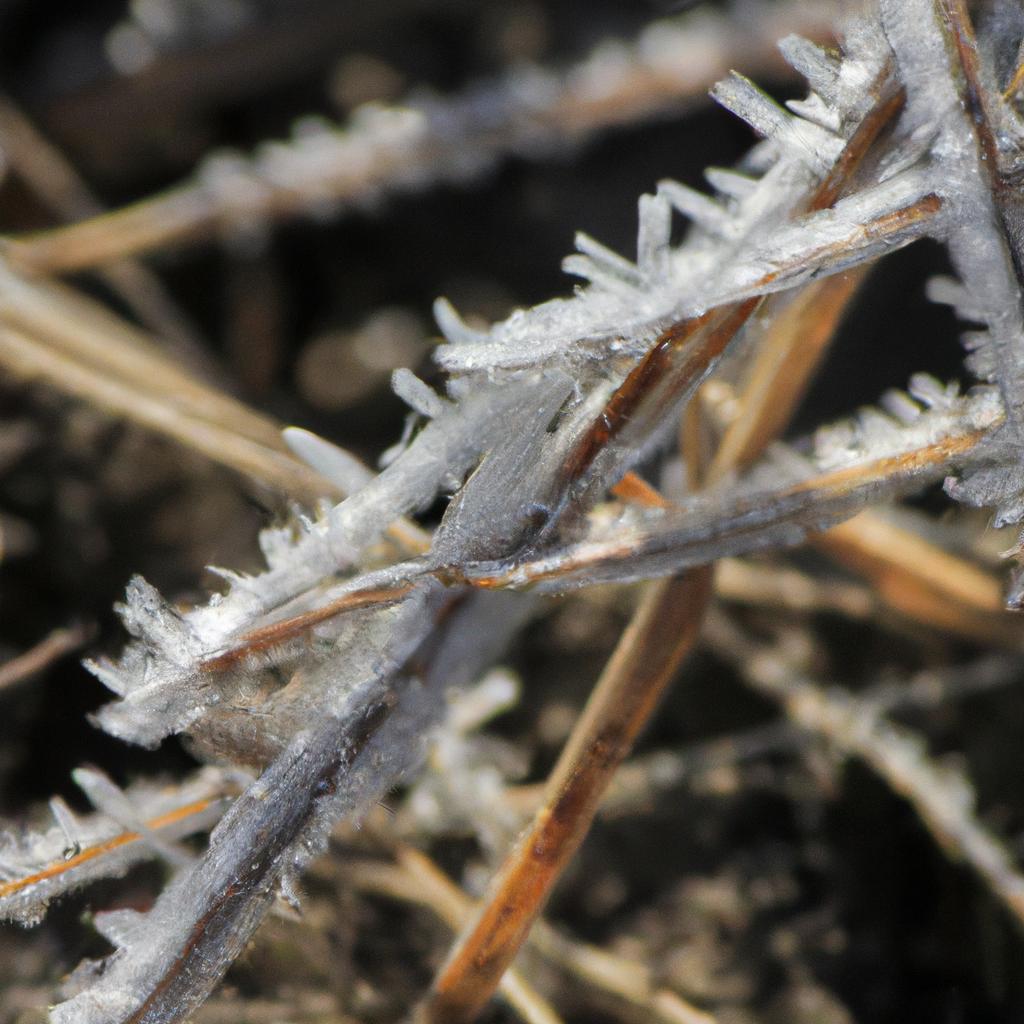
320, 679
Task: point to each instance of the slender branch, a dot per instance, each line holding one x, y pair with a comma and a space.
922, 581
660, 635
52, 333
643, 663
800, 331
673, 63
41, 864
50, 649
415, 878
190, 817
53, 178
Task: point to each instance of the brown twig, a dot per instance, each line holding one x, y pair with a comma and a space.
922, 581
640, 780
801, 328
55, 646
51, 333
179, 817
659, 636
415, 878
53, 178
272, 635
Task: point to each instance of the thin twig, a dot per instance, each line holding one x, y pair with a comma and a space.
195, 816
53, 178
415, 878
659, 636
51, 333
922, 581
428, 886
801, 328
639, 781
786, 589
53, 647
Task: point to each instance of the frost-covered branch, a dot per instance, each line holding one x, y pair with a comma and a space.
533, 111
36, 867
943, 797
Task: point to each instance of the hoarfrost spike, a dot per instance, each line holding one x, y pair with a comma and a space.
815, 145
111, 800
815, 110
730, 183
948, 291
342, 468
420, 397
817, 65
108, 674
652, 247
121, 928
453, 327
68, 824
699, 208
607, 259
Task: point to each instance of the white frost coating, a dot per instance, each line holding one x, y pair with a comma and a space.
815, 110
613, 266
978, 244
68, 824
699, 208
452, 326
282, 821
430, 138
244, 837
775, 505
171, 699
160, 679
76, 849
121, 928
509, 490
973, 234
523, 397
728, 182
112, 801
620, 313
948, 291
652, 250
772, 258
918, 419
465, 775
625, 305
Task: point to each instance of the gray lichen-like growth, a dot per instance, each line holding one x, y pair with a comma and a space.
543, 413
